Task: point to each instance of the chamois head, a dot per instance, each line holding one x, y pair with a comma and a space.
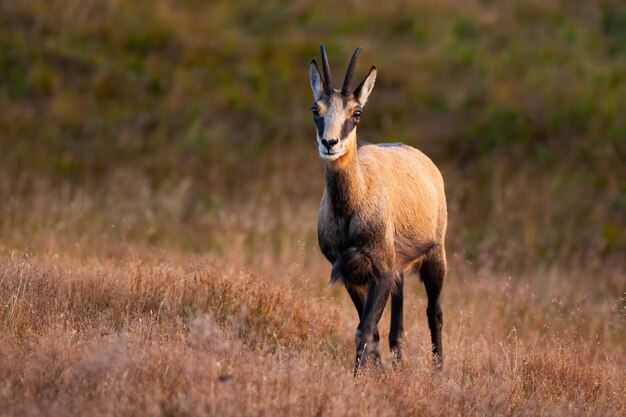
337, 112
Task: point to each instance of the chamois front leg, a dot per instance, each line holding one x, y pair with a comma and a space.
378, 292
357, 294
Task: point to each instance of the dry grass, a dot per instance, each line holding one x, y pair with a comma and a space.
146, 332
97, 320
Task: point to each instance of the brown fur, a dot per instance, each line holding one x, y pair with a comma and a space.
383, 211
387, 201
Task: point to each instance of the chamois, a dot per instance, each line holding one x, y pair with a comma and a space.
383, 212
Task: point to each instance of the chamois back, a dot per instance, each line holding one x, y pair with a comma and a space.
414, 190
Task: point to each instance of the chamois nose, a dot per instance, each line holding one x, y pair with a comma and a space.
328, 144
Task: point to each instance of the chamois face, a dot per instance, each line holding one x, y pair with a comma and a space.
337, 113
336, 118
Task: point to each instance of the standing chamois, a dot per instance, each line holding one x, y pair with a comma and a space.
383, 212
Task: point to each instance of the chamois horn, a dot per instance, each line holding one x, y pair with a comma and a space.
328, 79
347, 81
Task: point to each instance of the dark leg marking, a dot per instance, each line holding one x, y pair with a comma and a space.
433, 272
378, 291
357, 294
396, 328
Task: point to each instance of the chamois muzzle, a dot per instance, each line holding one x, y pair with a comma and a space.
328, 144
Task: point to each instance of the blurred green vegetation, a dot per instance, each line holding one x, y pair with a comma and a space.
521, 103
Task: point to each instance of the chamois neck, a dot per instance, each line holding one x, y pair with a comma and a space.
345, 184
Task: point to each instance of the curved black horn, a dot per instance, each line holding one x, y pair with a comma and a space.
347, 81
328, 80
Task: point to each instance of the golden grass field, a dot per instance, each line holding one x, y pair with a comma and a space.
144, 332
96, 324
159, 188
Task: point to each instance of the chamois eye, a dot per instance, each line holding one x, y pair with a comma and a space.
356, 114
315, 111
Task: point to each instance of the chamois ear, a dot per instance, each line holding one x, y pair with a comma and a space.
315, 78
362, 92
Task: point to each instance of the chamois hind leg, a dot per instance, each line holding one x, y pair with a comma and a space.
396, 328
433, 272
357, 294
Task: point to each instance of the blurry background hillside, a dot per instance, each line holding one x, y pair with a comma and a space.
186, 124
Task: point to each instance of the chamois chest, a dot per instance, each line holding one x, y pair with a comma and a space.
333, 234
355, 245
